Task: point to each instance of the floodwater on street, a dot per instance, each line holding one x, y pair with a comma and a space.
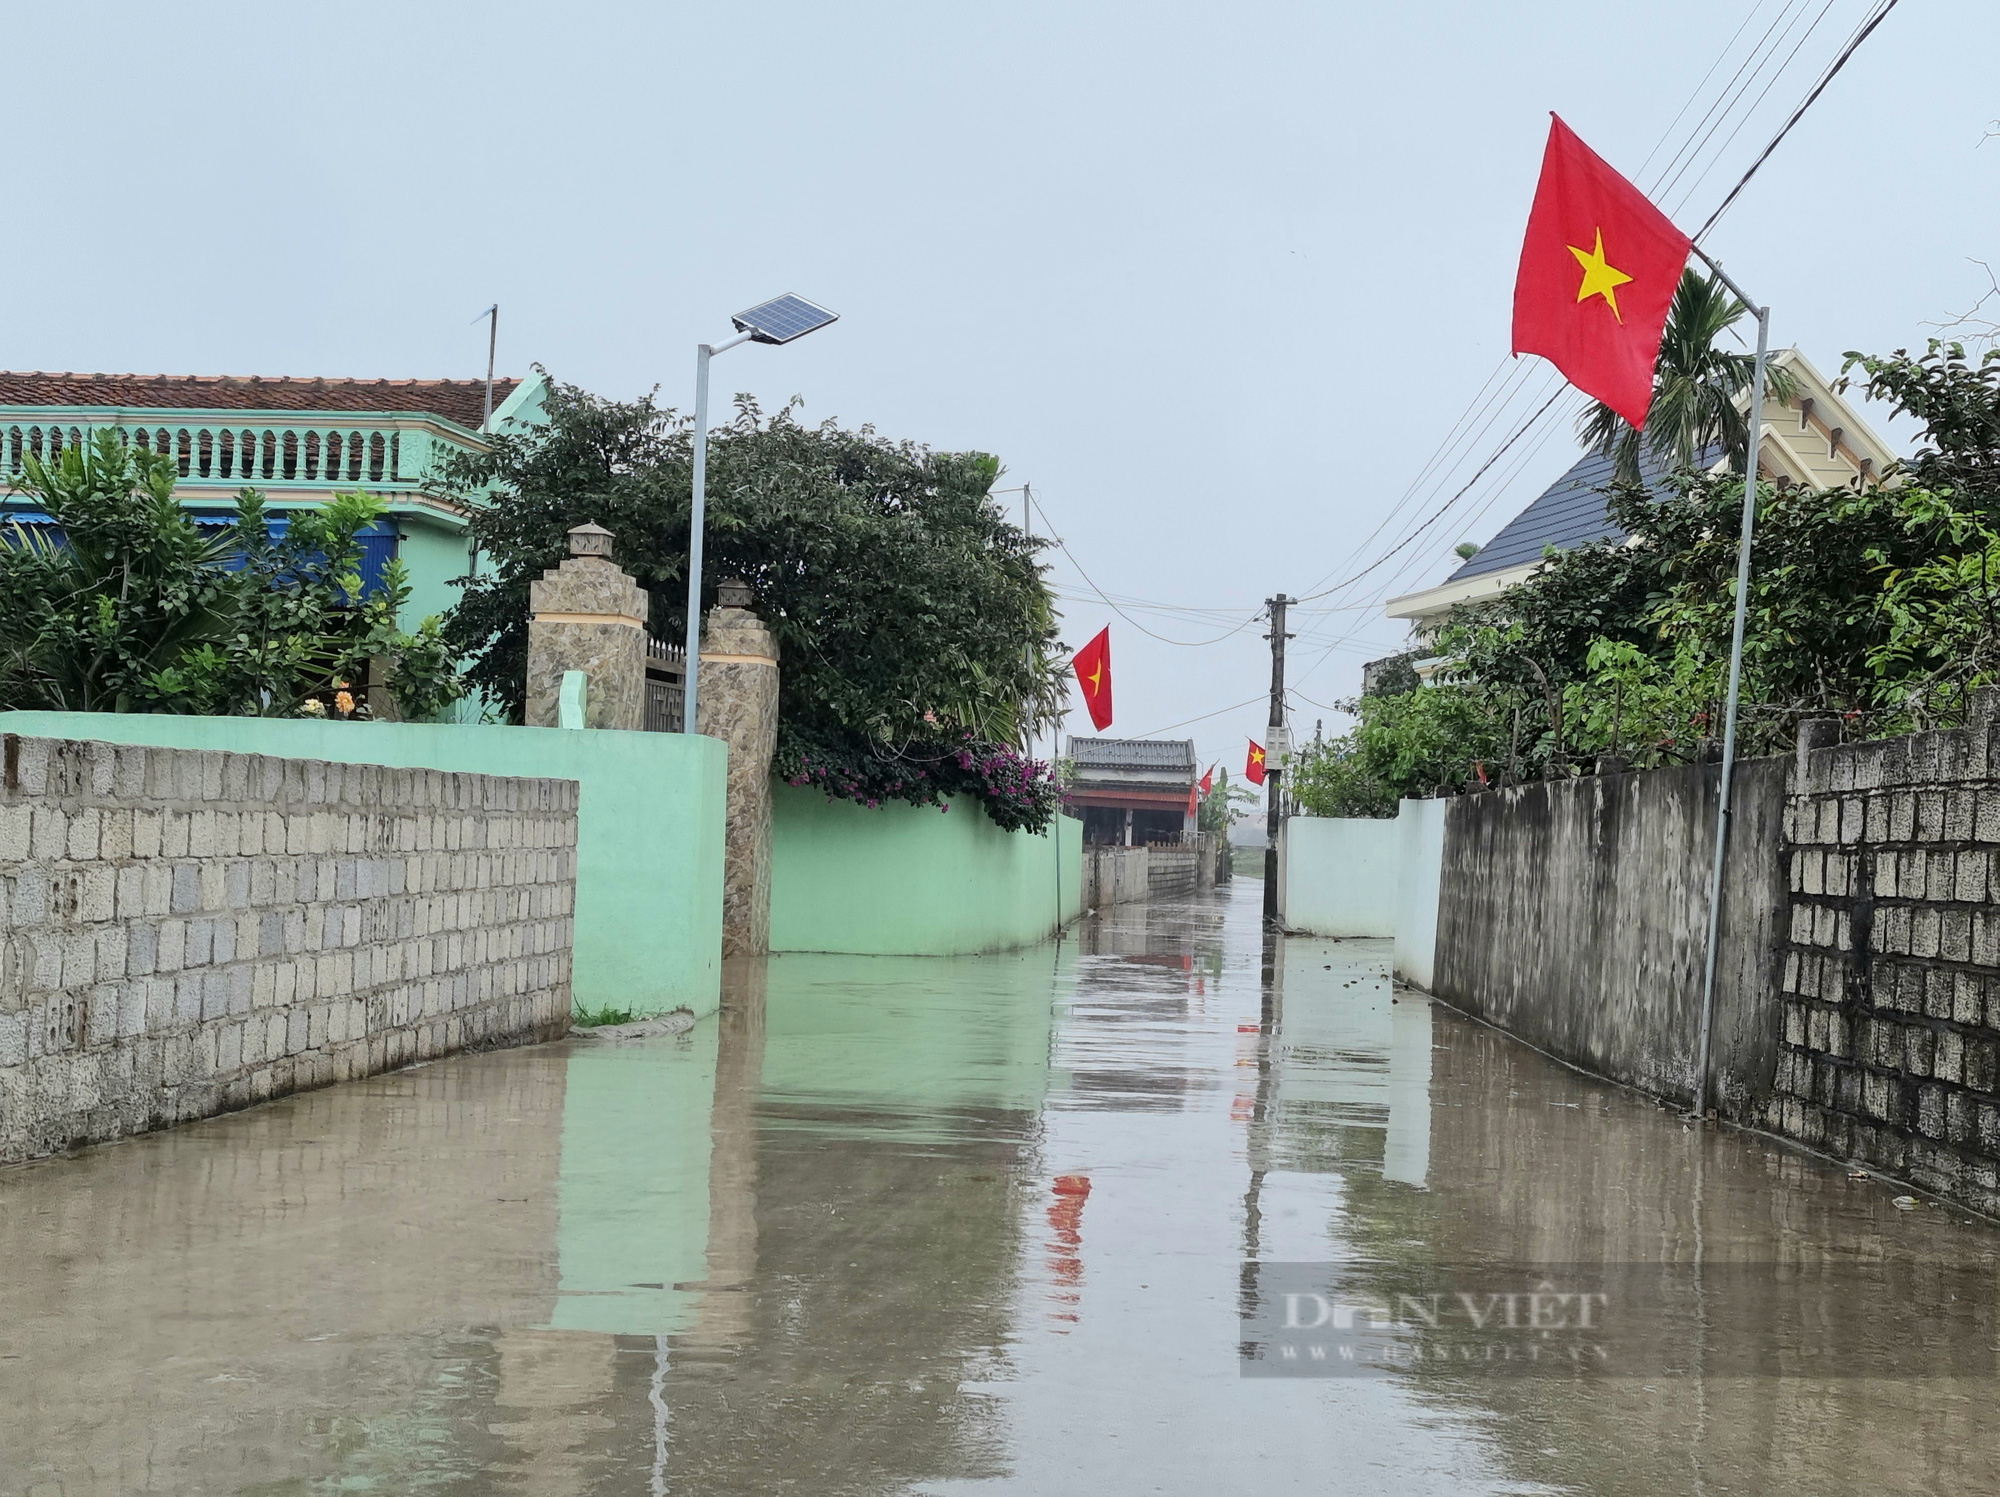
958, 1226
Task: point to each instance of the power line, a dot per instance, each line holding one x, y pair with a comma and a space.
1105, 597
1233, 706
1749, 114
1720, 58
1727, 101
1861, 35
1439, 513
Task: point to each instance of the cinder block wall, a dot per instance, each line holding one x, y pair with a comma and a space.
1892, 971
1575, 914
186, 932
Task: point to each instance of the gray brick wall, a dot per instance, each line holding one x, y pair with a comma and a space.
1891, 987
183, 933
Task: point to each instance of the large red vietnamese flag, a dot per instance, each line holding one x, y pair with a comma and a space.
1093, 674
1598, 272
1253, 768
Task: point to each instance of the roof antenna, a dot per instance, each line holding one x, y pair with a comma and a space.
492, 314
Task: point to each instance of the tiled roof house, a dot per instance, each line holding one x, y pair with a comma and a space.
298, 441
1132, 790
1818, 439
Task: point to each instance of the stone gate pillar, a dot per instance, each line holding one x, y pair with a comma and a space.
738, 694
587, 615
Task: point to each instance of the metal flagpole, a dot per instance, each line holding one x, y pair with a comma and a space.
1750, 461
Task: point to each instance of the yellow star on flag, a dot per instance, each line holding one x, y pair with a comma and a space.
1097, 678
1599, 277
1256, 756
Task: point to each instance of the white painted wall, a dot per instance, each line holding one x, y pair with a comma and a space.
1340, 875
1345, 876
1421, 873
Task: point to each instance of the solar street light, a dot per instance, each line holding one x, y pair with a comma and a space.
783, 319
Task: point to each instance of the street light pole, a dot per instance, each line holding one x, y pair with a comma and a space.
697, 523
1750, 462
780, 320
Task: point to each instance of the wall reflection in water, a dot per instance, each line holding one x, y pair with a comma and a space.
304, 1292
874, 1121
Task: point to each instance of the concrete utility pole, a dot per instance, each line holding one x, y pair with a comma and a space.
1274, 738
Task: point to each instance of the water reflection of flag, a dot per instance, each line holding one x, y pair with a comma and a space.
1066, 1242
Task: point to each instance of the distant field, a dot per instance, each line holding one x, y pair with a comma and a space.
1247, 862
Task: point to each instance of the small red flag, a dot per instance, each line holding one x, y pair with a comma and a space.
1093, 674
1200, 792
1598, 271
1253, 771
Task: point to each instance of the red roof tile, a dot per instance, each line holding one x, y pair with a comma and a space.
460, 400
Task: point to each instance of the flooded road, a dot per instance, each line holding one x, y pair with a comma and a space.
987, 1225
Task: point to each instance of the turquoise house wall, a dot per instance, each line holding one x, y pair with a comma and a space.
436, 556
903, 880
649, 825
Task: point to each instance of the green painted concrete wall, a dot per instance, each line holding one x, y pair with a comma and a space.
903, 880
649, 825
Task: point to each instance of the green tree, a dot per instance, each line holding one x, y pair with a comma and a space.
87, 622
915, 625
1696, 386
1330, 777
1225, 804
1958, 402
135, 608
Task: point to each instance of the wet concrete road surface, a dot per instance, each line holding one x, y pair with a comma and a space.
972, 1226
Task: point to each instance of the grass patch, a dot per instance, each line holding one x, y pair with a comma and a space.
593, 1018
1247, 862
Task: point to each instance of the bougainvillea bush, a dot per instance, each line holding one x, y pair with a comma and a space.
1019, 793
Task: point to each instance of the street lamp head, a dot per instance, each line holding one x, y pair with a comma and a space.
782, 319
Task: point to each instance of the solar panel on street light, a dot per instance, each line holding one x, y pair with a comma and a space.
782, 319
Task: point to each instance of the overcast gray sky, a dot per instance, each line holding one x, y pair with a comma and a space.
1216, 280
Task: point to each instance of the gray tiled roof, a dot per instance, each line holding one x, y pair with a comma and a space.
1132, 753
1570, 512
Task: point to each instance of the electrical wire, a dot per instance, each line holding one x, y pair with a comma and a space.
1106, 599
1694, 184
1442, 509
1234, 706
1720, 58
1732, 94
1862, 33
1725, 102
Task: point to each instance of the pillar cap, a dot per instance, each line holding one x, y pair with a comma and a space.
590, 539
732, 592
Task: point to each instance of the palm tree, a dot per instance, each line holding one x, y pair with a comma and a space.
1695, 387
